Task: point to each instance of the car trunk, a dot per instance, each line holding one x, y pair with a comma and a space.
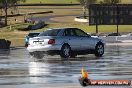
41, 41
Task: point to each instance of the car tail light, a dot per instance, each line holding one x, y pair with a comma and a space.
51, 41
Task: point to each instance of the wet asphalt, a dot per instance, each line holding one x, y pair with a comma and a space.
20, 70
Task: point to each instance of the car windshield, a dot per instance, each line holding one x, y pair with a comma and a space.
114, 34
33, 34
52, 32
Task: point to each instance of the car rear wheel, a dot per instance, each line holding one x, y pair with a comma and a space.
99, 49
73, 55
65, 51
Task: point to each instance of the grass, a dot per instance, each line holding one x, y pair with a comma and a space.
83, 26
17, 37
92, 29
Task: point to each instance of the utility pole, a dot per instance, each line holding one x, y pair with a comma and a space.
117, 18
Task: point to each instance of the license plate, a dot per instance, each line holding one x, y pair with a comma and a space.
38, 42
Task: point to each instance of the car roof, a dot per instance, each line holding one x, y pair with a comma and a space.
33, 32
64, 28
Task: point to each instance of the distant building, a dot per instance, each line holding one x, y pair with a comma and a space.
110, 14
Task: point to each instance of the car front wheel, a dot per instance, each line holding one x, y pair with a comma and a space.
99, 49
65, 51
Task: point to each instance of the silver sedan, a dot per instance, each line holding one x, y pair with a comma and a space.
67, 42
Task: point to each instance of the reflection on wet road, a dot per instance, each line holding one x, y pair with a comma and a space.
18, 68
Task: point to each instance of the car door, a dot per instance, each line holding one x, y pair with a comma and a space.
86, 41
72, 39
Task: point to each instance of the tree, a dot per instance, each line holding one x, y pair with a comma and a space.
5, 4
85, 4
1, 10
112, 1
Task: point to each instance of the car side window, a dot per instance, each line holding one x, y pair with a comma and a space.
80, 33
69, 32
53, 32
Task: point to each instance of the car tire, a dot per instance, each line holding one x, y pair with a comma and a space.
99, 49
65, 51
73, 55
31, 53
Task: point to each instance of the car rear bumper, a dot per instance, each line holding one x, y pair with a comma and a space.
50, 52
45, 48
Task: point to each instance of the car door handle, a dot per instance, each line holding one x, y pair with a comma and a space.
69, 39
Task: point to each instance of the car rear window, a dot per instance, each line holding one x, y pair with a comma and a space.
52, 32
33, 34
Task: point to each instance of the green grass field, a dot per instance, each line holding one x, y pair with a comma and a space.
17, 37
